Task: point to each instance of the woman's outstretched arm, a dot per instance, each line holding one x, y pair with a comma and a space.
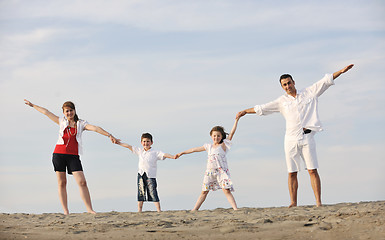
44, 111
100, 130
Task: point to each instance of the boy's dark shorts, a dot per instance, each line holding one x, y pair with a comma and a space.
147, 189
63, 162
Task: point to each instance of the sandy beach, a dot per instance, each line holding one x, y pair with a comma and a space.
364, 220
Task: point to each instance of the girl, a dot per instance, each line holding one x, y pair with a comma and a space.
217, 174
67, 150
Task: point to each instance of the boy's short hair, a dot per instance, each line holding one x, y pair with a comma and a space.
146, 135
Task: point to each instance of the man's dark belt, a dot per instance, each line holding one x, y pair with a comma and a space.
306, 131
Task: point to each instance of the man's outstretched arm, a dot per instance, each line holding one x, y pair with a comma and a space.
344, 70
244, 112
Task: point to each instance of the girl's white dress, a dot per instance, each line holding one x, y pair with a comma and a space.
217, 175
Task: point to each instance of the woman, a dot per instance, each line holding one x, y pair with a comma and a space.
67, 150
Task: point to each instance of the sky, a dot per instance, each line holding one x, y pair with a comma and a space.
176, 69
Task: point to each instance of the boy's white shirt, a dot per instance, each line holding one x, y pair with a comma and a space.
148, 160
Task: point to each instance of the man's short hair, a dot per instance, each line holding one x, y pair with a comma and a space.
284, 76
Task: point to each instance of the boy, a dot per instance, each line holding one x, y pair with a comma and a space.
147, 170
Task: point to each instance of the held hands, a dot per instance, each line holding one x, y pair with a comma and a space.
113, 139
178, 155
240, 114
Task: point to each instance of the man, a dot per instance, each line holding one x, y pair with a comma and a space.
300, 110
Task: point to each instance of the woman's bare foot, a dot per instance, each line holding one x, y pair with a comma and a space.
293, 205
92, 212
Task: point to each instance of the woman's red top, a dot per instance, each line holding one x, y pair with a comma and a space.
70, 145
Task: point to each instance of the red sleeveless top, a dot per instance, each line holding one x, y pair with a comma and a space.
70, 145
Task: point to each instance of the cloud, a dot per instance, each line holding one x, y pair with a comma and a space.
17, 48
204, 15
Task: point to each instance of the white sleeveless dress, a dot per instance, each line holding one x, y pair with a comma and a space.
217, 175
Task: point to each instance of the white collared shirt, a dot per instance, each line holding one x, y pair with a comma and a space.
80, 124
148, 160
299, 112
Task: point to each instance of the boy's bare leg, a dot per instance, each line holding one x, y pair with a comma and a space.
140, 206
157, 205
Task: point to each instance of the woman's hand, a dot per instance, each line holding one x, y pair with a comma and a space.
44, 111
114, 140
28, 103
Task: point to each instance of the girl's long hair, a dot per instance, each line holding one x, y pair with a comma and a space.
71, 105
221, 130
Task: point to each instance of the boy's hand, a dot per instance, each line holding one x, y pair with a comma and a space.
178, 155
114, 140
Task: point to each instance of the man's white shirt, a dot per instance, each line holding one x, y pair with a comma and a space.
299, 112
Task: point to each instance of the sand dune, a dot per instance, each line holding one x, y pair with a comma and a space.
365, 220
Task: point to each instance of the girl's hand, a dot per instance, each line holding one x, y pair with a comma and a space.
240, 114
28, 103
178, 155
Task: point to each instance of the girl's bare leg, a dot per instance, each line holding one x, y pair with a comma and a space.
200, 200
84, 192
230, 198
62, 188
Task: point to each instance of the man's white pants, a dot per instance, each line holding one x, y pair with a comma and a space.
301, 151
